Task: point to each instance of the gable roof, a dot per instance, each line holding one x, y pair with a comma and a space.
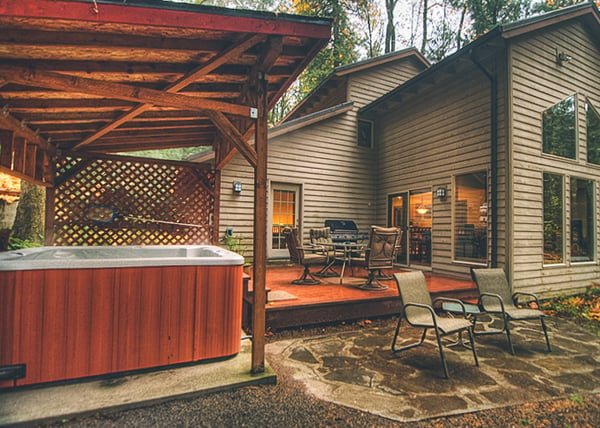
339, 73
587, 12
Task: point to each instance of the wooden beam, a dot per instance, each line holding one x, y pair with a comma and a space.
19, 144
6, 149
230, 132
20, 128
177, 86
268, 56
31, 77
260, 231
49, 220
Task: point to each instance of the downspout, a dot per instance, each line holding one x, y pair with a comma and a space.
493, 158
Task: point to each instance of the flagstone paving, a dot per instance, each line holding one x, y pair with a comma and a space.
357, 369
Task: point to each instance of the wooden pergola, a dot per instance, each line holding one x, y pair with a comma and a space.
93, 78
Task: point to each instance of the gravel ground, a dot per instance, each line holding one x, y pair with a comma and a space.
287, 404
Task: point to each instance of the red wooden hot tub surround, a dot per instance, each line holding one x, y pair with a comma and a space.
73, 323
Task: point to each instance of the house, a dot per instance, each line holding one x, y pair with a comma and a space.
318, 167
493, 153
487, 158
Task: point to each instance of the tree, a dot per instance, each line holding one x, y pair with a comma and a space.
390, 28
369, 17
550, 5
341, 48
487, 14
29, 221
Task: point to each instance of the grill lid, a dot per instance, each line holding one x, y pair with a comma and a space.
337, 225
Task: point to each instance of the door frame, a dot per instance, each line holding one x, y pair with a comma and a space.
277, 253
406, 260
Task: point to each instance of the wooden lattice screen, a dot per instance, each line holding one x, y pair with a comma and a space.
151, 203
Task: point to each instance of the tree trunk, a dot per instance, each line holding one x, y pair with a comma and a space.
390, 29
29, 221
425, 12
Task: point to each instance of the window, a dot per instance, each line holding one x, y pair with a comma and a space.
470, 217
365, 133
593, 134
558, 129
284, 215
553, 219
582, 220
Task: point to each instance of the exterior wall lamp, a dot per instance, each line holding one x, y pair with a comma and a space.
562, 57
237, 186
440, 193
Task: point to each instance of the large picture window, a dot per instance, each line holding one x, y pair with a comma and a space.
593, 134
470, 217
582, 220
553, 219
558, 129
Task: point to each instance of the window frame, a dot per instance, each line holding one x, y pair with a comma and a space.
575, 129
589, 106
455, 236
359, 133
563, 223
591, 258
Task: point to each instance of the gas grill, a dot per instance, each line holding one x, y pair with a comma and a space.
345, 231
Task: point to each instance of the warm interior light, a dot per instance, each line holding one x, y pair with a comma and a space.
422, 209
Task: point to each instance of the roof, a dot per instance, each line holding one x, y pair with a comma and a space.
339, 73
587, 11
114, 76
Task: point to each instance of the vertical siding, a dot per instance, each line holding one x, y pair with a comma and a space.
537, 83
336, 175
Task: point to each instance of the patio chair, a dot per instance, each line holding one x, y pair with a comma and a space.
495, 298
299, 256
419, 312
321, 243
380, 254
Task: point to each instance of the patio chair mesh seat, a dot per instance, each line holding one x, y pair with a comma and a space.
418, 312
299, 256
495, 298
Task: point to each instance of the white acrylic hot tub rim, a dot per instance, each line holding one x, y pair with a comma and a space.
90, 257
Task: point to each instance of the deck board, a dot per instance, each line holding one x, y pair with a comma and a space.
331, 302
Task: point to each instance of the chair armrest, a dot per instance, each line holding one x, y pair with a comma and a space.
516, 294
493, 295
317, 248
420, 305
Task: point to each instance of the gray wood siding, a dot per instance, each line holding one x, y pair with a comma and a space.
537, 83
337, 176
436, 134
369, 85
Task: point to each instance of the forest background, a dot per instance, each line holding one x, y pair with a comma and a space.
361, 29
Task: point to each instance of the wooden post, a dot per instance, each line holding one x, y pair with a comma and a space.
260, 229
216, 209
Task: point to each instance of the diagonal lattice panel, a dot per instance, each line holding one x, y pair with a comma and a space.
141, 203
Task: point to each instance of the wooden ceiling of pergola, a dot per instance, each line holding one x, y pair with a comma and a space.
112, 76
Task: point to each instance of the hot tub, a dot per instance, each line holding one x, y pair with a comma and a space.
73, 312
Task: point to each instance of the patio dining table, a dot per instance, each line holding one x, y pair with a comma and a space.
343, 252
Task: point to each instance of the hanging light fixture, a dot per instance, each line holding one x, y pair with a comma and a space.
421, 208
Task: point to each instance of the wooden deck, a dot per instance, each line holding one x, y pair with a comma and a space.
292, 305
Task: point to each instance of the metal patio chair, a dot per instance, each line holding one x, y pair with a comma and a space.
495, 298
321, 243
302, 257
418, 310
380, 254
